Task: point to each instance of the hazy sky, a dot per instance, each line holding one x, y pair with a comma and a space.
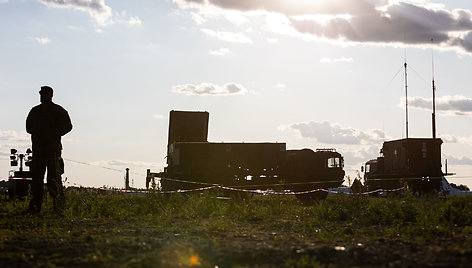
311, 73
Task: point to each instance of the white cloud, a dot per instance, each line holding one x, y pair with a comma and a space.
42, 40
199, 19
134, 21
336, 60
220, 52
280, 87
355, 157
448, 138
328, 133
460, 161
272, 40
97, 9
357, 21
236, 18
3, 1
455, 105
13, 136
10, 139
228, 36
207, 12
209, 89
467, 140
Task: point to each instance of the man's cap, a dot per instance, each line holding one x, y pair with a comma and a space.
46, 90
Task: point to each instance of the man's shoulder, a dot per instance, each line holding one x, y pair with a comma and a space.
48, 107
57, 106
35, 109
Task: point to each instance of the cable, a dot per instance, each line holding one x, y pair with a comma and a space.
88, 164
109, 168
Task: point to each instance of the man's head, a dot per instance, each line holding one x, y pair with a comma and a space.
46, 93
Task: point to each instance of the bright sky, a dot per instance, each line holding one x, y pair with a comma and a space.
313, 74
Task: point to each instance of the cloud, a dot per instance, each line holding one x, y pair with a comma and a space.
135, 21
360, 155
199, 19
286, 7
10, 139
3, 1
280, 86
220, 52
449, 138
457, 105
97, 9
325, 132
42, 40
460, 161
11, 136
272, 40
209, 89
398, 23
336, 60
206, 12
419, 23
228, 36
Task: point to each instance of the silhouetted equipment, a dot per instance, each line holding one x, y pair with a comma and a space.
414, 161
406, 99
19, 182
188, 127
433, 115
193, 162
127, 179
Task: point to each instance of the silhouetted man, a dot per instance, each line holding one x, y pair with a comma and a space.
47, 123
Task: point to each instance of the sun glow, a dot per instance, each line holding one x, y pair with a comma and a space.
322, 18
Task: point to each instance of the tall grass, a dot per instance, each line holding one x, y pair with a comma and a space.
98, 220
428, 215
361, 210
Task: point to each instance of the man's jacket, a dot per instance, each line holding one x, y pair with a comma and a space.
47, 123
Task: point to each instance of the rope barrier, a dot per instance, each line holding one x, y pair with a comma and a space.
262, 192
232, 188
190, 182
288, 183
154, 175
405, 178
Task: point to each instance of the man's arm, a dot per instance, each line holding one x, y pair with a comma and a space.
30, 121
66, 124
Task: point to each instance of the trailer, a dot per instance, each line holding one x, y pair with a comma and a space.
194, 162
414, 162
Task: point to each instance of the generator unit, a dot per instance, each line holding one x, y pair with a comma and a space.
193, 162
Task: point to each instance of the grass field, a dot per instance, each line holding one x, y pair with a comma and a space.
104, 230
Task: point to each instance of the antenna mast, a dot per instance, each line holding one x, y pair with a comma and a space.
434, 96
406, 98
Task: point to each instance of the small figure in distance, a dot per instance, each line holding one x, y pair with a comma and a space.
357, 187
47, 123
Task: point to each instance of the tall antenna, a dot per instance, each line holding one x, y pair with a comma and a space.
406, 98
434, 95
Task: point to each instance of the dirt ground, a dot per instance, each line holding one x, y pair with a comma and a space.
48, 242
